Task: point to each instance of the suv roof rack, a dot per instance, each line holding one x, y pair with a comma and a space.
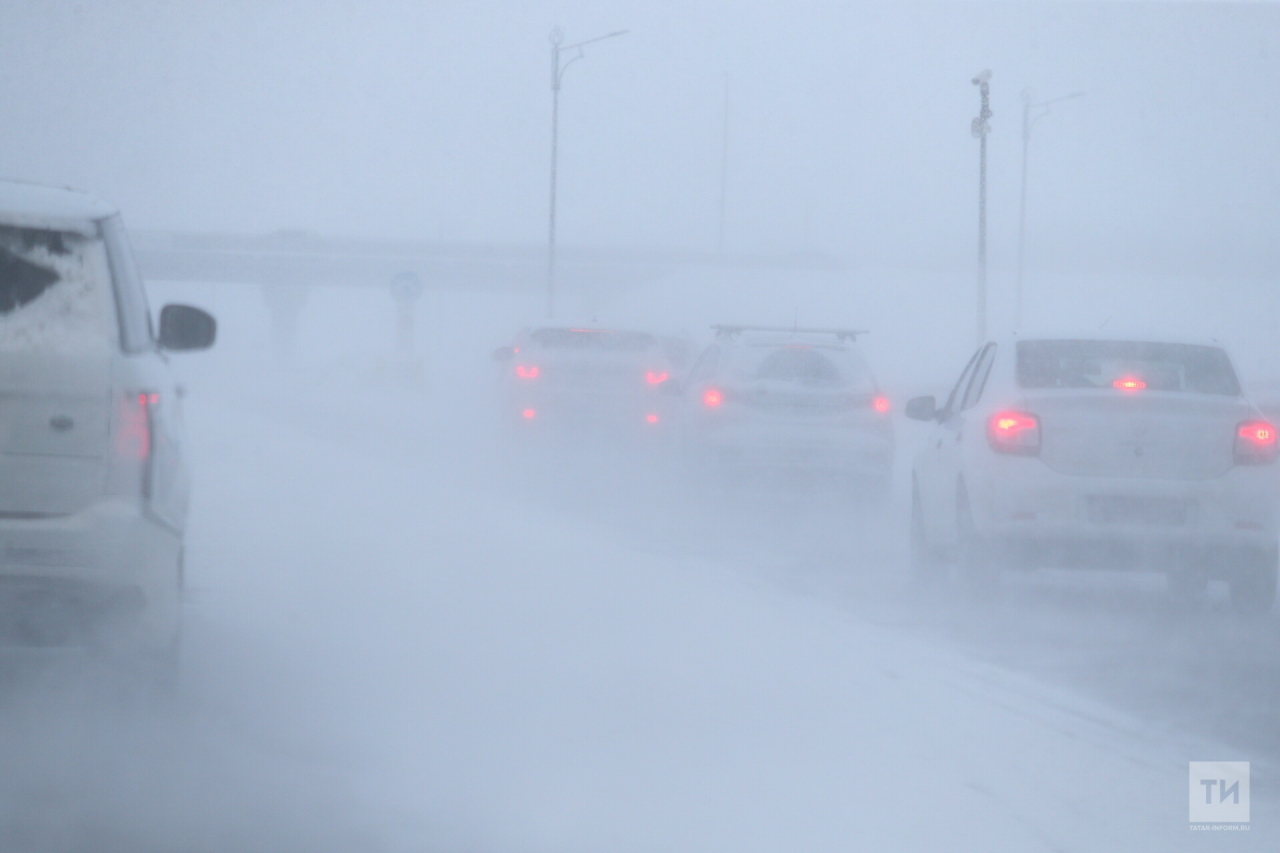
728, 331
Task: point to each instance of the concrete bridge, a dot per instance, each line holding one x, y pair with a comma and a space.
286, 264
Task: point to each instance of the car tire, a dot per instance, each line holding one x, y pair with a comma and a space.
974, 553
1253, 583
925, 565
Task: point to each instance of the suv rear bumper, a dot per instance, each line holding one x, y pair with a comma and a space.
109, 565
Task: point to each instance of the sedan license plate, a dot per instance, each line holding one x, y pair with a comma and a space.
1114, 509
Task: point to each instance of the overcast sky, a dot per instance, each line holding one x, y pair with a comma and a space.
848, 128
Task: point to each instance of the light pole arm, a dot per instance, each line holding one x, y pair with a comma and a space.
558, 69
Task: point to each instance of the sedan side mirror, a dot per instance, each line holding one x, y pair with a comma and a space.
183, 327
921, 409
504, 353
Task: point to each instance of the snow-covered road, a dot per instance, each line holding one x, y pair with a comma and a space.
398, 640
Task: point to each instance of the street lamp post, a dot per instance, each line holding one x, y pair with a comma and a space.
980, 128
558, 67
1029, 117
724, 166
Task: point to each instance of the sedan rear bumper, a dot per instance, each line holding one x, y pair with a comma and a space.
1059, 519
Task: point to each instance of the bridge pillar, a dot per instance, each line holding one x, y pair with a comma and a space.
406, 288
284, 303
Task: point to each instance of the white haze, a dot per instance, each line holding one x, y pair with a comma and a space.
405, 633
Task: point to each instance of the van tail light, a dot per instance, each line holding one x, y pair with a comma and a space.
133, 441
712, 398
527, 371
880, 403
1014, 432
1255, 443
656, 377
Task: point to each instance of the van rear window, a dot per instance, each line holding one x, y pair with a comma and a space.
1126, 365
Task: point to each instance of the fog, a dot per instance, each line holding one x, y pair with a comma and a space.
409, 625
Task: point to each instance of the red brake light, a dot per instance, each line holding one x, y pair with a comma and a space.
1014, 432
133, 441
529, 414
1129, 383
1255, 443
656, 377
712, 397
653, 419
880, 404
527, 371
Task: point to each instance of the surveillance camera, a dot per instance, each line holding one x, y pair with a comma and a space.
983, 76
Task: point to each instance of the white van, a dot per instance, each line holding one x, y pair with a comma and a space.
93, 488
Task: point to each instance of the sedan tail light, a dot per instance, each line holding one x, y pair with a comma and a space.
880, 403
1255, 443
527, 371
1014, 432
656, 377
711, 398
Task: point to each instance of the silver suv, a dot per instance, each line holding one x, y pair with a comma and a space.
93, 488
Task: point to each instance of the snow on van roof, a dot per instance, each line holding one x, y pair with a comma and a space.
36, 206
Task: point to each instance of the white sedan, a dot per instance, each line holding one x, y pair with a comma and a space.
1098, 453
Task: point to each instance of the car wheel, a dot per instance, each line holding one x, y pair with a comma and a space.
925, 566
1253, 583
975, 553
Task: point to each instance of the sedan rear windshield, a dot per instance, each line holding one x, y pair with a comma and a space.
593, 339
1126, 365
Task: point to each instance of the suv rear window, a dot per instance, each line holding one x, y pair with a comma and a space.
804, 366
25, 271
593, 339
811, 367
55, 290
1190, 368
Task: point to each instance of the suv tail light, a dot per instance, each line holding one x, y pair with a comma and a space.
1255, 443
711, 398
880, 403
527, 371
1014, 432
133, 442
656, 377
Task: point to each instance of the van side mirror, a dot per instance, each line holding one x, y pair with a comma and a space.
504, 353
183, 327
921, 409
